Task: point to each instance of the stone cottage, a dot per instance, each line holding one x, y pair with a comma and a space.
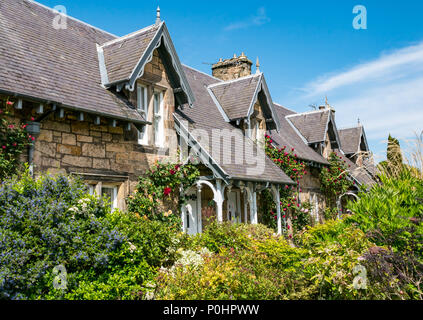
106, 108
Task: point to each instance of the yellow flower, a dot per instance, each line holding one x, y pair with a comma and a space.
145, 217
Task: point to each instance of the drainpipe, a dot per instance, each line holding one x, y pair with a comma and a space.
33, 128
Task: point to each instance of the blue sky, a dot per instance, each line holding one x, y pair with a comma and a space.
307, 50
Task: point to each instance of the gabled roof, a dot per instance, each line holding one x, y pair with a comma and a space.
353, 140
122, 60
205, 117
121, 55
235, 99
314, 125
59, 66
288, 137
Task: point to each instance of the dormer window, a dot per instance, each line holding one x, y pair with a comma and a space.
142, 107
158, 119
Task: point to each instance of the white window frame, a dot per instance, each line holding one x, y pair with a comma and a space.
114, 199
158, 118
142, 107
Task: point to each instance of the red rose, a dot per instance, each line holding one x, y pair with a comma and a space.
14, 144
11, 126
32, 118
9, 103
172, 171
167, 191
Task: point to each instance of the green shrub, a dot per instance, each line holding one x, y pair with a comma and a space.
392, 213
250, 262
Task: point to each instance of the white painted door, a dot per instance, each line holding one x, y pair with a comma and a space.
234, 212
191, 217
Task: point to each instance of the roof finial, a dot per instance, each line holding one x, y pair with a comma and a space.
326, 101
257, 66
158, 15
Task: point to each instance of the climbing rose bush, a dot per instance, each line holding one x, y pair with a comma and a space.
288, 161
161, 185
13, 141
334, 179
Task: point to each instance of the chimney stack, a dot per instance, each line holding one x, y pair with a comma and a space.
233, 68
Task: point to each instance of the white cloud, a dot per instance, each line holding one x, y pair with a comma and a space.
394, 65
258, 19
386, 94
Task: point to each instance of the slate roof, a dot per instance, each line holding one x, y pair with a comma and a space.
351, 139
235, 96
289, 138
122, 55
360, 174
59, 66
205, 116
311, 125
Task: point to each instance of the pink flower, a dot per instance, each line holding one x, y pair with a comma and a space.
14, 144
9, 103
32, 118
288, 227
172, 171
4, 147
32, 138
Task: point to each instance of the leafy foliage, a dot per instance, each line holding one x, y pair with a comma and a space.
252, 263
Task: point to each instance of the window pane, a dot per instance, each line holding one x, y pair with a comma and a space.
110, 193
156, 103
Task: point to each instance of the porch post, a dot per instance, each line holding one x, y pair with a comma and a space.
245, 206
253, 203
219, 200
277, 197
199, 210
183, 215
